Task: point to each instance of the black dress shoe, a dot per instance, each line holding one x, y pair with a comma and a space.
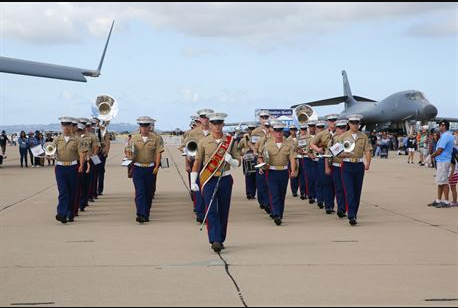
320, 205
249, 197
329, 212
311, 201
267, 209
199, 220
91, 200
82, 209
222, 246
353, 222
217, 247
96, 197
71, 219
277, 221
272, 216
62, 219
141, 219
341, 214
262, 207
303, 197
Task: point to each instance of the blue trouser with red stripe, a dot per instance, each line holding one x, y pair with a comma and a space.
278, 185
200, 203
67, 178
85, 183
338, 186
143, 182
250, 182
218, 215
294, 183
352, 178
327, 187
310, 177
263, 190
302, 176
101, 174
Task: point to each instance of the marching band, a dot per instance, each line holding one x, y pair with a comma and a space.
325, 162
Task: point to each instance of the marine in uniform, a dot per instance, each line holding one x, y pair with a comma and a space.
333, 168
197, 135
294, 182
80, 129
302, 143
144, 150
86, 179
258, 134
69, 152
354, 166
277, 154
320, 146
247, 149
218, 153
310, 162
153, 124
105, 144
95, 175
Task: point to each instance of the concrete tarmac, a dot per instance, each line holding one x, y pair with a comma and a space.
402, 253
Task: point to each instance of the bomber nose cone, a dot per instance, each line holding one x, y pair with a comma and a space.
429, 112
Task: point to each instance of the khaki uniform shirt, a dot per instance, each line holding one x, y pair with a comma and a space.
105, 140
309, 139
362, 144
280, 157
71, 150
146, 152
244, 144
322, 139
335, 139
208, 145
259, 132
91, 140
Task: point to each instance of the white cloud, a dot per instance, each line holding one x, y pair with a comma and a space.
189, 96
252, 23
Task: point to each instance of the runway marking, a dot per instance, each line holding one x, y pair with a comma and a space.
27, 198
178, 170
82, 241
41, 191
33, 304
441, 299
408, 217
350, 241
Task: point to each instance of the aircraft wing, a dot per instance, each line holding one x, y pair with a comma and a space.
38, 69
451, 120
334, 101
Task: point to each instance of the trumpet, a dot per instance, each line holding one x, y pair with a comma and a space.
305, 113
190, 148
50, 149
349, 146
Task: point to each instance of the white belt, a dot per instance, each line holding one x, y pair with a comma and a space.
316, 159
336, 165
300, 156
226, 173
353, 160
144, 165
66, 164
278, 167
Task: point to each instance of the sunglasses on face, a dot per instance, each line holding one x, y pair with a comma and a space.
354, 122
332, 120
278, 130
203, 116
144, 125
342, 127
219, 122
63, 124
293, 129
312, 126
264, 117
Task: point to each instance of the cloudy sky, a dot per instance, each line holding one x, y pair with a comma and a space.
169, 60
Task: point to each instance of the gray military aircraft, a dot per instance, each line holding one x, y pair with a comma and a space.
38, 69
394, 112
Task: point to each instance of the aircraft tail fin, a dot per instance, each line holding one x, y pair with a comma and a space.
346, 85
105, 49
96, 73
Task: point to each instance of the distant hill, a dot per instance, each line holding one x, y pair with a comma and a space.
114, 127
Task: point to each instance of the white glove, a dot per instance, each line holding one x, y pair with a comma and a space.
233, 162
194, 186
